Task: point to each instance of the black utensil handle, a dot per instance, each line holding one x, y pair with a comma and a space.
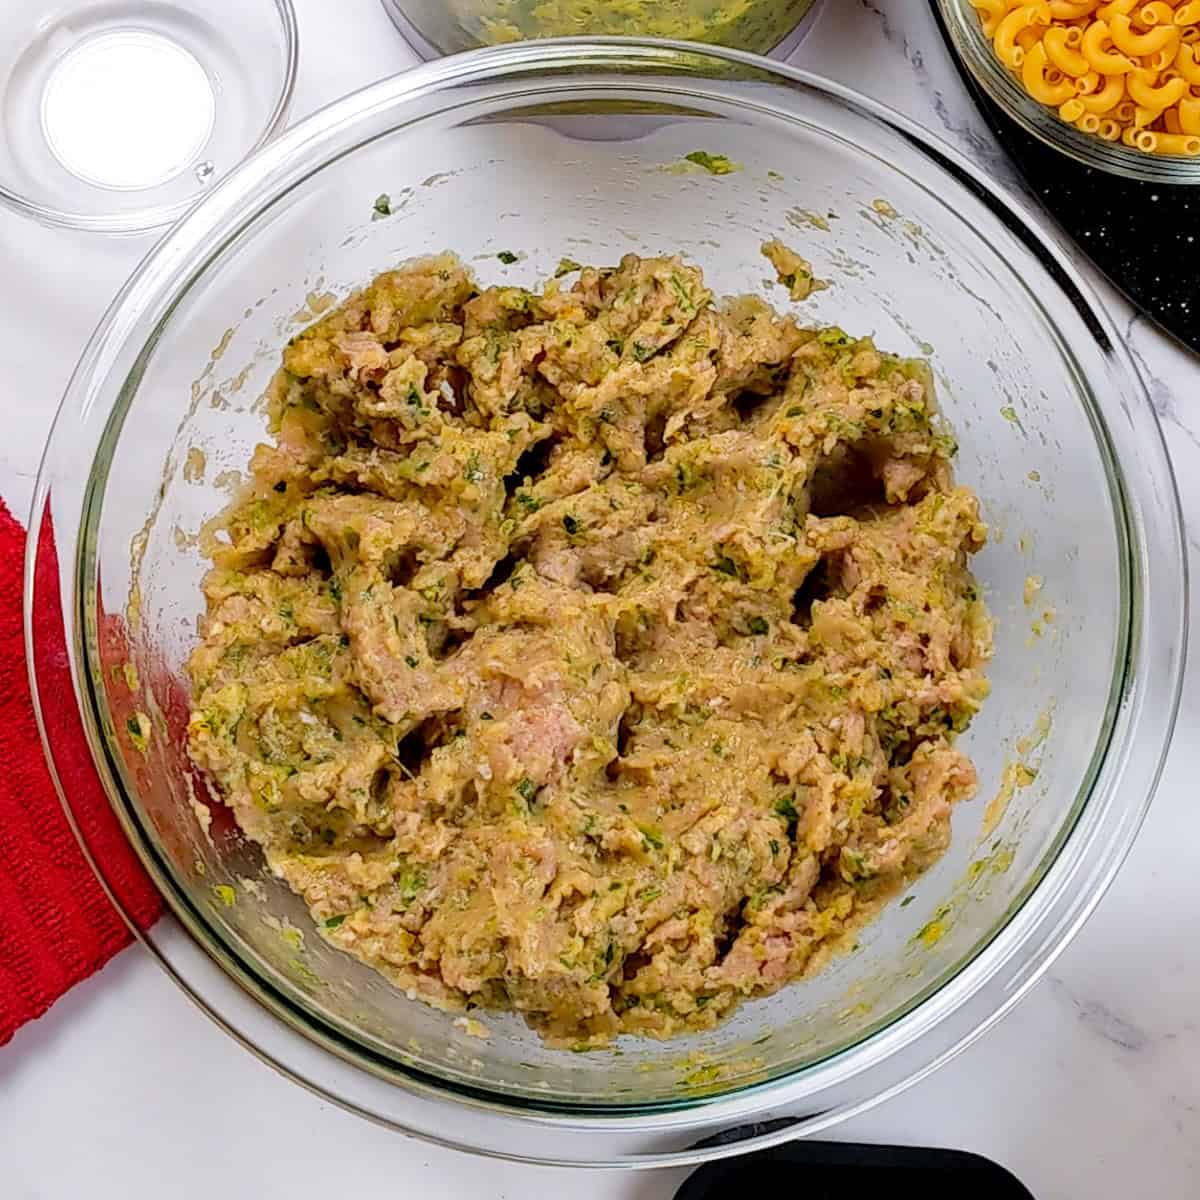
853, 1171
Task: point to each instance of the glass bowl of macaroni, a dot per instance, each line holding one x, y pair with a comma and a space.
1115, 86
516, 158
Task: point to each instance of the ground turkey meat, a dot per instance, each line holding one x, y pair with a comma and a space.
596, 653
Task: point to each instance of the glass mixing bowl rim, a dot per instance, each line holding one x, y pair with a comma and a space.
564, 54
142, 220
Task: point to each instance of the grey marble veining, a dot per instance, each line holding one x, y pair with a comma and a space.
894, 53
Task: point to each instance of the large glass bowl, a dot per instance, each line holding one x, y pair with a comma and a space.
578, 149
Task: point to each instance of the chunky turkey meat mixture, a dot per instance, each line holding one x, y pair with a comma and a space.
598, 652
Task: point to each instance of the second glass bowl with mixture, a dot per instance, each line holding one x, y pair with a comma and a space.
696, 634
448, 26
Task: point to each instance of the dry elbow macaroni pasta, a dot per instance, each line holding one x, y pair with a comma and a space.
1123, 70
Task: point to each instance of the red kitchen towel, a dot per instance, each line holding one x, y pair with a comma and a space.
57, 926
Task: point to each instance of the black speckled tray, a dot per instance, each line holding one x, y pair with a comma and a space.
1144, 236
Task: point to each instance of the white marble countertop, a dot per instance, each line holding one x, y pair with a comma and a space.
1090, 1088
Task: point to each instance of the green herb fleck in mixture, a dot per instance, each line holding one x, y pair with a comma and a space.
714, 164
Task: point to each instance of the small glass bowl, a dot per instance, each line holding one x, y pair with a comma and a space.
975, 50
115, 115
